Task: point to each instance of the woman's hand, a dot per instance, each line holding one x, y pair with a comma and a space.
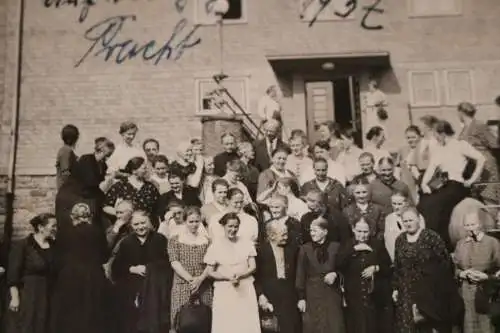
235, 280
302, 305
476, 276
264, 304
330, 278
426, 189
138, 270
2, 270
369, 271
14, 304
195, 283
395, 295
468, 183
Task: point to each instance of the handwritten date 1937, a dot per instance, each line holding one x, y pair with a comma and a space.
107, 40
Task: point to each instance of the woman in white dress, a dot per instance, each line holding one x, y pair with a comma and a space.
126, 149
375, 101
349, 156
231, 263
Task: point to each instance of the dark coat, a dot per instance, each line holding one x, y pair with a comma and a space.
262, 158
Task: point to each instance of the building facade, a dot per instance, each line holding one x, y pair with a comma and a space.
152, 62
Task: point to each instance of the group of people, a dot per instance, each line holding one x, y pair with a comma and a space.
321, 238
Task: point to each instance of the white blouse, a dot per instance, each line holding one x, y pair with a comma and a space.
451, 158
249, 227
122, 155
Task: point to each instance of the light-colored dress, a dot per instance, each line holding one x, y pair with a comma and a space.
349, 159
482, 255
249, 227
122, 154
234, 308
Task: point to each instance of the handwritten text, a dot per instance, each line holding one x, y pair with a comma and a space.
107, 40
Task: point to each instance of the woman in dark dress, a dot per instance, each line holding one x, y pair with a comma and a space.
83, 186
142, 193
143, 277
425, 292
317, 283
30, 277
66, 157
365, 266
79, 302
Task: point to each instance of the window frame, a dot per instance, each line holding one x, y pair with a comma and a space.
242, 20
435, 75
457, 12
446, 85
199, 81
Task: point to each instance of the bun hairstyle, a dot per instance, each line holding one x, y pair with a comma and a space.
228, 217
444, 127
101, 143
70, 134
467, 109
41, 220
134, 163
374, 132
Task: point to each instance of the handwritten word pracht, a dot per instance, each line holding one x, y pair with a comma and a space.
107, 40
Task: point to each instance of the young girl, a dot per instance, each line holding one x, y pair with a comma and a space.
160, 174
394, 223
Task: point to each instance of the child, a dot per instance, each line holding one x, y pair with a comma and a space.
160, 174
394, 223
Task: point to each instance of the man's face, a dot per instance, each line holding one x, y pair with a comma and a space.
124, 212
151, 149
320, 170
271, 131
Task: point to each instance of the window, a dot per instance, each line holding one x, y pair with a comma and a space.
422, 8
213, 100
459, 86
205, 15
309, 9
424, 89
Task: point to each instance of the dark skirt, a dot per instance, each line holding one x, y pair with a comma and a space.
324, 312
80, 302
33, 314
436, 208
283, 297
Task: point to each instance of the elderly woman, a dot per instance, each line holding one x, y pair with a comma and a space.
365, 267
186, 251
231, 262
79, 301
85, 184
451, 157
477, 256
425, 293
126, 149
318, 283
142, 193
30, 275
268, 177
142, 276
296, 208
275, 277
179, 192
183, 162
478, 135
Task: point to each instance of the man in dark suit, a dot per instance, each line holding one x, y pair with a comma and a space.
275, 277
265, 147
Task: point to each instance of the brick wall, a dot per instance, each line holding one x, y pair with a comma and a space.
98, 95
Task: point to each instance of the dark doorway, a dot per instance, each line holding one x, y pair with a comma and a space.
342, 102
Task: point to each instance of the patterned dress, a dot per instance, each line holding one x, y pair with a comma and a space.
190, 256
421, 269
482, 255
478, 135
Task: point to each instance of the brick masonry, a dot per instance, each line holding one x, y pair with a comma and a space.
98, 95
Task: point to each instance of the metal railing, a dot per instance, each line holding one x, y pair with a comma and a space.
223, 99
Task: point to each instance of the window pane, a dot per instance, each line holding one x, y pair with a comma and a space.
235, 10
213, 99
424, 88
459, 86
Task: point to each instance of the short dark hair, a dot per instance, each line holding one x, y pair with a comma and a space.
415, 129
219, 182
467, 109
41, 220
227, 217
126, 126
429, 120
150, 140
134, 163
70, 134
102, 142
322, 144
444, 127
160, 159
176, 173
234, 191
367, 154
374, 132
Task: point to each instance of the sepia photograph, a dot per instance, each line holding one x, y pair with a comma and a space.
249, 166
